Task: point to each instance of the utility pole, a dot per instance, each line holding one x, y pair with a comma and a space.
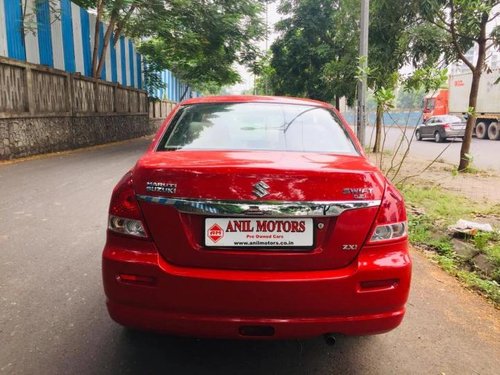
267, 26
267, 43
363, 60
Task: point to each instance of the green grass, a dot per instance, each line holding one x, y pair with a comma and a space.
441, 205
481, 240
493, 252
436, 209
474, 281
489, 288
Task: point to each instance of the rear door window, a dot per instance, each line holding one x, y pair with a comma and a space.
452, 119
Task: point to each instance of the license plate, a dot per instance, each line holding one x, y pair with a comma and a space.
261, 232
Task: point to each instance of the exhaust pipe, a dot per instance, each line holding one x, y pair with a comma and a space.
330, 339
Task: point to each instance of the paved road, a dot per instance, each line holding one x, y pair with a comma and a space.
486, 153
53, 319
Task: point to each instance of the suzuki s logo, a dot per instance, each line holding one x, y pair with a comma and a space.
260, 189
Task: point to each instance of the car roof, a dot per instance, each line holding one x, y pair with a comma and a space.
255, 99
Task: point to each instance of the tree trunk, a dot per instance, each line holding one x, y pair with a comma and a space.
378, 130
107, 37
121, 24
185, 92
471, 122
95, 53
465, 160
337, 103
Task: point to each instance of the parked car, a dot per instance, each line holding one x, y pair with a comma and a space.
441, 128
256, 217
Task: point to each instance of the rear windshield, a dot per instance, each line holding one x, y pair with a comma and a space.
257, 126
451, 119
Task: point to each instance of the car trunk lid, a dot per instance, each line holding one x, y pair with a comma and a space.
183, 194
458, 125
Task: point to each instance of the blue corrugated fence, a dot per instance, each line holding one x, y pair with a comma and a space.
64, 40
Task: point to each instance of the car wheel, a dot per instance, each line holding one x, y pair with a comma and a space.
418, 135
481, 130
494, 131
438, 137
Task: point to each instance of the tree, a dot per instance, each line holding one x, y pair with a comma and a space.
398, 37
465, 23
198, 40
264, 73
315, 55
117, 13
201, 44
420, 82
390, 22
410, 100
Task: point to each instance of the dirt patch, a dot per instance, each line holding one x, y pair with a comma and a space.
483, 186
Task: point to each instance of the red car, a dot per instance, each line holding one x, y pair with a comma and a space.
256, 217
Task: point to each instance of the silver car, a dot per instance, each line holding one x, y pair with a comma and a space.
440, 128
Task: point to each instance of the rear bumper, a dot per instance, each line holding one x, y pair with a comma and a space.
231, 327
221, 303
454, 133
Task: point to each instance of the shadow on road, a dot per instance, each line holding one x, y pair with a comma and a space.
447, 140
139, 352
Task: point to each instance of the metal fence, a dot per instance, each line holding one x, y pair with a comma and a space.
159, 109
61, 36
410, 118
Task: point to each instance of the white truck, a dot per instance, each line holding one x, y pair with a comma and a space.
488, 102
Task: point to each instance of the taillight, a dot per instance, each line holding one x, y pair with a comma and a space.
126, 226
391, 221
446, 126
389, 232
125, 215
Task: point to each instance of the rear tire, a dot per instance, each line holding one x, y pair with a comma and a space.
418, 135
438, 137
494, 131
481, 130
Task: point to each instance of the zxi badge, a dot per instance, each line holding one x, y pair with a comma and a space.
349, 247
260, 189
